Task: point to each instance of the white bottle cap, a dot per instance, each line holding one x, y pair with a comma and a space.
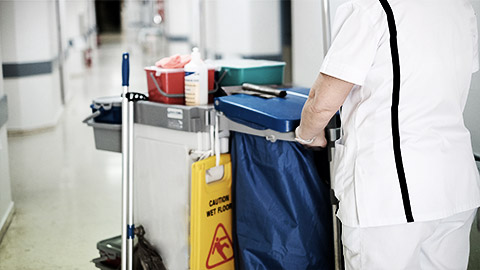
196, 54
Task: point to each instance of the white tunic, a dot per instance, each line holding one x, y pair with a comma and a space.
437, 45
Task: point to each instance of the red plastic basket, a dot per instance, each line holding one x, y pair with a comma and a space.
168, 85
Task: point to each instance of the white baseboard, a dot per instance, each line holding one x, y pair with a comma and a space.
6, 220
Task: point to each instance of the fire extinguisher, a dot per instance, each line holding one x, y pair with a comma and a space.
87, 56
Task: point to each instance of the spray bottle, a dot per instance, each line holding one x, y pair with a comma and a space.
196, 81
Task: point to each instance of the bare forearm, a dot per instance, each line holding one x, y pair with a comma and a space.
313, 122
326, 97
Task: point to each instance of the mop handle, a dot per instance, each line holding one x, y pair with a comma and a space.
125, 265
125, 69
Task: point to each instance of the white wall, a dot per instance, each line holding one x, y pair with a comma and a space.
29, 35
34, 102
6, 203
232, 28
307, 39
75, 27
178, 24
245, 27
77, 23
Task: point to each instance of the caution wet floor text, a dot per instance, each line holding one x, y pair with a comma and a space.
211, 217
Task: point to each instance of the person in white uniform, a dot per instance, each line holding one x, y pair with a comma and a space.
404, 170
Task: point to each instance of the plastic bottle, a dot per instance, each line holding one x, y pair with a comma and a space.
196, 81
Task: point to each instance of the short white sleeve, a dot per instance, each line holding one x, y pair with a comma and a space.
354, 45
475, 44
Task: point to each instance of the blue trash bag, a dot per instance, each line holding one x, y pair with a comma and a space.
282, 214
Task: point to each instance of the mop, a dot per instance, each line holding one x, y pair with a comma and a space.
127, 169
148, 258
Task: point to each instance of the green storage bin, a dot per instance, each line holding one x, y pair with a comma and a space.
240, 71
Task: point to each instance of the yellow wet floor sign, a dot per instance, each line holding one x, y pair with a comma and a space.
211, 217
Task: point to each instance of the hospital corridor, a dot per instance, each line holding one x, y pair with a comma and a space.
239, 134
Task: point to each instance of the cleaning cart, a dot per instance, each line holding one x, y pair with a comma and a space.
281, 196
168, 139
170, 152
283, 217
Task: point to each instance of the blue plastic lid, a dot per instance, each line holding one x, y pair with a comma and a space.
279, 114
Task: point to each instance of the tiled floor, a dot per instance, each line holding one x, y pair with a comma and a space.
67, 194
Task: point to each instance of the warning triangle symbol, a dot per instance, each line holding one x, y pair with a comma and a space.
221, 250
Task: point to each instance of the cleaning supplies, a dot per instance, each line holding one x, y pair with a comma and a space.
196, 81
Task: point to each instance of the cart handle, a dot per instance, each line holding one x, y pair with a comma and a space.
93, 115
